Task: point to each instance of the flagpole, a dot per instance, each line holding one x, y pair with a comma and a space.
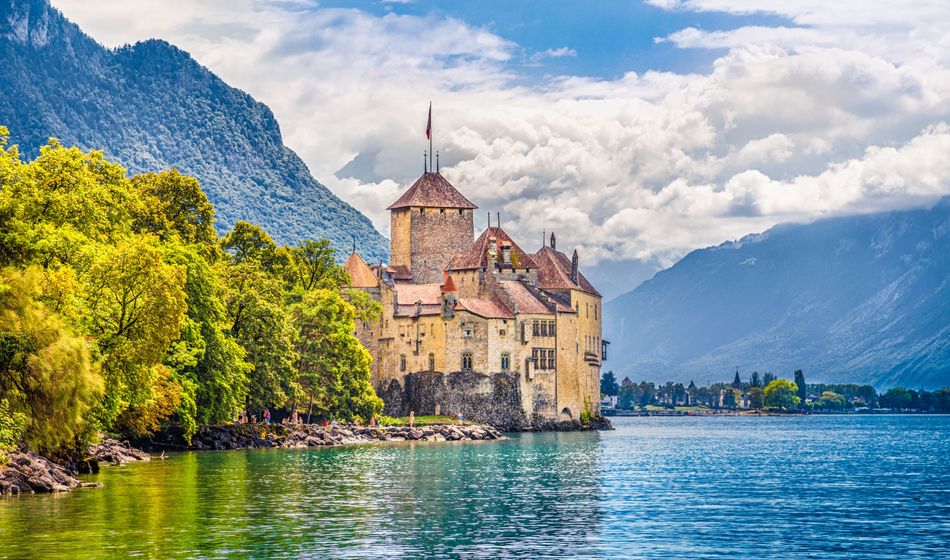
430, 136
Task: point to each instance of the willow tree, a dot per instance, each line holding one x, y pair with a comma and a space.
48, 378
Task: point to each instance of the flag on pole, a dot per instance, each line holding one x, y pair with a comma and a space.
429, 124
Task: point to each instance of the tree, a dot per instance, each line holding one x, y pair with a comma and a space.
781, 394
332, 364
731, 398
135, 307
802, 388
897, 398
768, 378
175, 204
754, 381
832, 401
259, 322
608, 384
316, 266
756, 398
48, 380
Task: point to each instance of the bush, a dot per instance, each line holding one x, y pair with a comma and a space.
12, 425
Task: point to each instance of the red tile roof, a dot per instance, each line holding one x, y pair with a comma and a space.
449, 285
428, 294
476, 256
399, 272
554, 272
361, 275
485, 307
522, 297
432, 191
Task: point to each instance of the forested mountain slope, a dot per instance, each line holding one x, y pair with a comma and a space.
861, 299
152, 107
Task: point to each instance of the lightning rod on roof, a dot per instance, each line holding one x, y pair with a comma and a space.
425, 162
437, 161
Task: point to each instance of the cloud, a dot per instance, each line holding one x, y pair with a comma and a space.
841, 110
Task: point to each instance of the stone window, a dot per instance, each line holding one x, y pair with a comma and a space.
552, 328
431, 361
460, 211
505, 361
402, 362
595, 311
544, 328
543, 358
468, 331
466, 361
402, 331
502, 332
536, 328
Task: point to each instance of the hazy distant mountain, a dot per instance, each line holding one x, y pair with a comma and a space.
152, 107
863, 299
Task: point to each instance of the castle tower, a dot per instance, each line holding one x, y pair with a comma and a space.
430, 223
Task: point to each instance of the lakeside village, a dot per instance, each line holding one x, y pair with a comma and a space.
763, 394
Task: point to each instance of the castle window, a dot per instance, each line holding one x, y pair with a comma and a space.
535, 328
431, 361
502, 332
551, 359
421, 210
544, 328
402, 331
441, 210
466, 361
467, 331
505, 361
460, 211
595, 311
402, 362
552, 328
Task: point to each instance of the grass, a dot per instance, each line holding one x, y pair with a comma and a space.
419, 420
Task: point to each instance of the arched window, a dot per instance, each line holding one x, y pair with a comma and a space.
402, 362
505, 361
431, 361
466, 361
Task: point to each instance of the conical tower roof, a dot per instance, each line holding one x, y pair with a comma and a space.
432, 191
361, 275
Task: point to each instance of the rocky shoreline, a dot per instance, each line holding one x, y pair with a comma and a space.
257, 436
29, 473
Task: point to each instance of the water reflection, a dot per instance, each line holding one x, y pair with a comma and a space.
536, 495
861, 487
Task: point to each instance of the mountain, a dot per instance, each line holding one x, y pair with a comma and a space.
861, 299
150, 106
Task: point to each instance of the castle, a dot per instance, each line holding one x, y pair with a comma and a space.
478, 326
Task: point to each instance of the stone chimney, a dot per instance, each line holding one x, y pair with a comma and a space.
553, 241
574, 267
506, 253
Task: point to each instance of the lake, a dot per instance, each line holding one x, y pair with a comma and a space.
711, 487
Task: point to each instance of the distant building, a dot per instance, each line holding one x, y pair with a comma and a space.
478, 326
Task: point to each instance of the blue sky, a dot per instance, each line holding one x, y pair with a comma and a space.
608, 38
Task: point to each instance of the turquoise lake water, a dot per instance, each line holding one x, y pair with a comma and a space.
714, 487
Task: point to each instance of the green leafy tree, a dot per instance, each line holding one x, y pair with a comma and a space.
259, 322
756, 398
608, 384
316, 266
135, 307
12, 426
332, 365
896, 397
832, 401
781, 393
47, 375
175, 204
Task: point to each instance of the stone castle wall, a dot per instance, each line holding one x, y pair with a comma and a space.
438, 235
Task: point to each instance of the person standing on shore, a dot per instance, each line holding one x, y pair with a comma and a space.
412, 418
